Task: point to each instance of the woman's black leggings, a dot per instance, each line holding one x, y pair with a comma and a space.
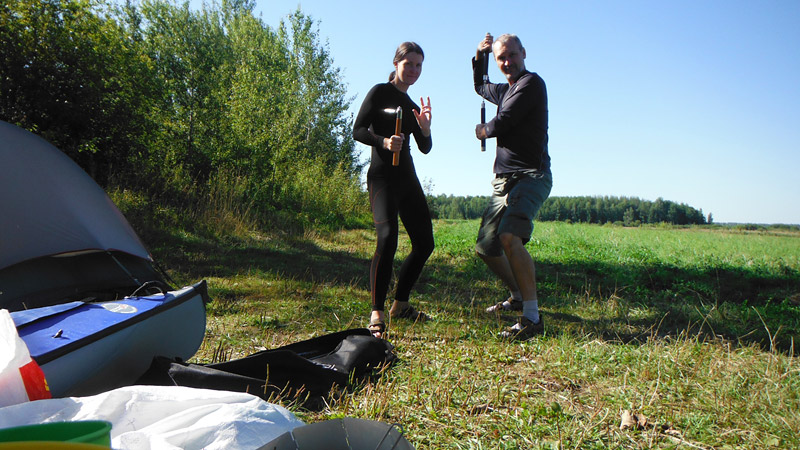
388, 199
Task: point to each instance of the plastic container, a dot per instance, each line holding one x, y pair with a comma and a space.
97, 432
50, 445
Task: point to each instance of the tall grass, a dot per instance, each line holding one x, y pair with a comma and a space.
329, 198
229, 204
691, 329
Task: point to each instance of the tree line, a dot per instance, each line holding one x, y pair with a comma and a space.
628, 211
178, 103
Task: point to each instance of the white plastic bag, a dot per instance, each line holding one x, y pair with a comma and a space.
21, 379
166, 417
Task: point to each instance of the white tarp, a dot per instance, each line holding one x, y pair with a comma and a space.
166, 417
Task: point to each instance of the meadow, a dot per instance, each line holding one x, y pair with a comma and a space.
656, 337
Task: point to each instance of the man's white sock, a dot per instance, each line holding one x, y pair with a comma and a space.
530, 309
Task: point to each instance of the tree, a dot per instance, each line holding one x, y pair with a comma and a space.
69, 75
318, 97
189, 52
629, 217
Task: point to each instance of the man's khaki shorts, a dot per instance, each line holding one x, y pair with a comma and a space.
515, 202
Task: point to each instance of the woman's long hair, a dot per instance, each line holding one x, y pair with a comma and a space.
402, 50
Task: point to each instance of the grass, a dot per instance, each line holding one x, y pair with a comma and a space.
690, 328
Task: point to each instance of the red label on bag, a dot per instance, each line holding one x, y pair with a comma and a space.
35, 384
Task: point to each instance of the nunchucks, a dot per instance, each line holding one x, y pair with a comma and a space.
483, 102
483, 121
398, 123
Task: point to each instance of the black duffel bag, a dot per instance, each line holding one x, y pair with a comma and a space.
306, 371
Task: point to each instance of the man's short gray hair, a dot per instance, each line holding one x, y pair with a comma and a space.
506, 38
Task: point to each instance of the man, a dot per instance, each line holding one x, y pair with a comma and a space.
522, 177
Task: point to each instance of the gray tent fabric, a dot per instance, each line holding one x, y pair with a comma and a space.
51, 206
60, 234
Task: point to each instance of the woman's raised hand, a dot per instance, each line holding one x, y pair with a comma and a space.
424, 116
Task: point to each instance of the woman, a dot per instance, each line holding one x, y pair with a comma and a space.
395, 189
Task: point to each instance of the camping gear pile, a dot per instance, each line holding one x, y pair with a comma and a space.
84, 293
85, 314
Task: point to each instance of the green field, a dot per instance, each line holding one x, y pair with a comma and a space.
692, 328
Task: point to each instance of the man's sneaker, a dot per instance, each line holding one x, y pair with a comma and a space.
506, 306
524, 329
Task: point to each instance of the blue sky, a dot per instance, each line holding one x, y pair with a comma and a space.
694, 101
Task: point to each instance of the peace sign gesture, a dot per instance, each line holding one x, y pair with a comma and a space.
424, 116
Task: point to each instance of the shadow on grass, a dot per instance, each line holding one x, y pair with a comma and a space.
631, 304
288, 256
659, 301
738, 305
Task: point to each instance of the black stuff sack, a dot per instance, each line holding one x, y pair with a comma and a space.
306, 371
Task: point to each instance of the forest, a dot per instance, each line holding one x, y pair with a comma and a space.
182, 106
600, 210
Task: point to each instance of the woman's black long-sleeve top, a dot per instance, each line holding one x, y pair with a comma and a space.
376, 120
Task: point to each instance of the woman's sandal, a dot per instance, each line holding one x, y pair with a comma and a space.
377, 328
410, 313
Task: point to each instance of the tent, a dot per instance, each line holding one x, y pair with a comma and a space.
83, 292
61, 236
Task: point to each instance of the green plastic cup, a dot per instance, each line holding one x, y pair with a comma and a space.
97, 432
